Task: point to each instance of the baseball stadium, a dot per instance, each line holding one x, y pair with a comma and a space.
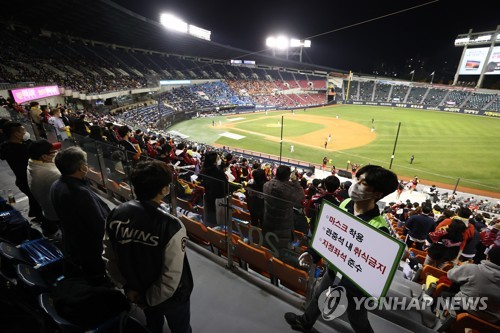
154, 180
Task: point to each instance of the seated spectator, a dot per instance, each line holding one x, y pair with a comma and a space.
331, 184
478, 221
481, 280
401, 213
471, 247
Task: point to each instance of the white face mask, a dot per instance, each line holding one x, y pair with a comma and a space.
219, 162
358, 192
26, 136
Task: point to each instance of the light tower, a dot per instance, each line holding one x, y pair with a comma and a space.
290, 47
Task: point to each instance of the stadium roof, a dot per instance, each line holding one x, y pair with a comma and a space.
105, 21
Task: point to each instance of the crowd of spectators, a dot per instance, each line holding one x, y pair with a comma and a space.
282, 201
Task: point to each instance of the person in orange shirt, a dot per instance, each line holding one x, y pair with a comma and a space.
463, 214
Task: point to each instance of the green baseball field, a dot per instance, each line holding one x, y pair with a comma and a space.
446, 147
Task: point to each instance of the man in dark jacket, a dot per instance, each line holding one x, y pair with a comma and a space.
15, 151
419, 226
82, 214
215, 183
282, 194
145, 251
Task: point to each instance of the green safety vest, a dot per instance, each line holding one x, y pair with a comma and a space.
377, 222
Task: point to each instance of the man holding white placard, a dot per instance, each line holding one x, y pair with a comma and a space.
372, 183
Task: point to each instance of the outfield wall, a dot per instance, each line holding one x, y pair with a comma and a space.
425, 107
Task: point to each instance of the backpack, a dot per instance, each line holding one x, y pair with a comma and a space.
15, 229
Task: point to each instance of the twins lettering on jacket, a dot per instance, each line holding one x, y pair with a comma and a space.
125, 234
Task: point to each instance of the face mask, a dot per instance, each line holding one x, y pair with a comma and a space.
219, 161
26, 136
357, 192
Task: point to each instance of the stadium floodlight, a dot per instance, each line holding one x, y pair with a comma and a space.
283, 44
280, 42
300, 43
199, 32
174, 23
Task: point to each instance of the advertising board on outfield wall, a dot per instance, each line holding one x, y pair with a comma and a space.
426, 107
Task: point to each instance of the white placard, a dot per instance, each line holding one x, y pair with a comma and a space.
362, 253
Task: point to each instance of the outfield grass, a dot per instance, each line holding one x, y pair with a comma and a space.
446, 146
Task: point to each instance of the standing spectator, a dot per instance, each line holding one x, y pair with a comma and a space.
130, 149
3, 121
109, 133
45, 115
15, 151
446, 244
419, 226
255, 197
82, 214
64, 116
58, 124
36, 117
215, 182
139, 137
42, 173
463, 214
282, 194
372, 184
81, 126
145, 249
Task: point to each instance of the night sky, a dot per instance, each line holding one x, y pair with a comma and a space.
426, 32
